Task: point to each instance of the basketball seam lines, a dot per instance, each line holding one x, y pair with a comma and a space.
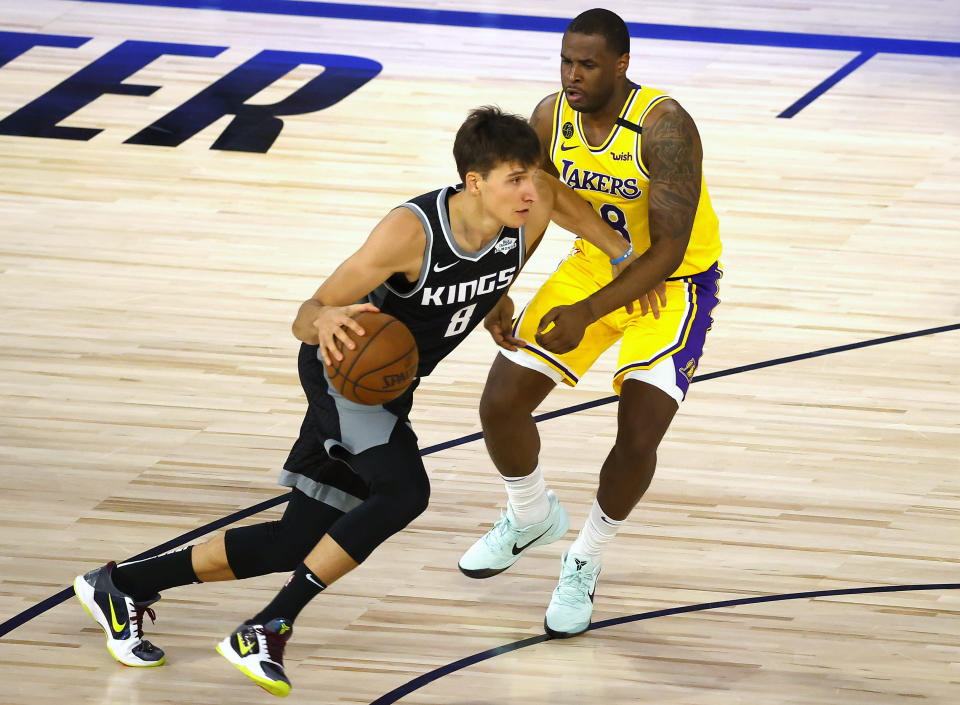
357, 385
346, 375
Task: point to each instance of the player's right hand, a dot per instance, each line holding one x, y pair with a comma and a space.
499, 323
332, 324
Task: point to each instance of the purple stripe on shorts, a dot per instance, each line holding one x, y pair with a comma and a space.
516, 321
684, 334
685, 360
553, 361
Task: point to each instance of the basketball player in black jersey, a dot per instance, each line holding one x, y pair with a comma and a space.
439, 263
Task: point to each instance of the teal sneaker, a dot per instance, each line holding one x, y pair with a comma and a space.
572, 603
502, 546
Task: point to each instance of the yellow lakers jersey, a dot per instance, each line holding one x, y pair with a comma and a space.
614, 180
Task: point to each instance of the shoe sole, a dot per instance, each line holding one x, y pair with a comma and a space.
561, 635
546, 540
278, 688
484, 572
152, 664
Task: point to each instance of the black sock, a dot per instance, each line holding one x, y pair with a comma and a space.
143, 579
300, 588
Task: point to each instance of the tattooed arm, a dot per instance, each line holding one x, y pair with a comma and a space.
672, 152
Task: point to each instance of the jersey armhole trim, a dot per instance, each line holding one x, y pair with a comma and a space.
425, 267
643, 116
555, 139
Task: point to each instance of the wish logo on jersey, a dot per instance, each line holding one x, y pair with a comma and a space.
586, 180
461, 292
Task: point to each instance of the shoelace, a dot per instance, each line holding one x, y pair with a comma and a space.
138, 620
574, 587
275, 645
503, 525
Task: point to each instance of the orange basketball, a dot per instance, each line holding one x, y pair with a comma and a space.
383, 364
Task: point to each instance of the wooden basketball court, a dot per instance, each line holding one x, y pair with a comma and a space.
800, 543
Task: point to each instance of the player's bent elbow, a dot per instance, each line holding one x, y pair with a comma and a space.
305, 334
303, 328
670, 256
675, 263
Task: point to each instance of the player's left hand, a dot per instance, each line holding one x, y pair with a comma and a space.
653, 300
562, 328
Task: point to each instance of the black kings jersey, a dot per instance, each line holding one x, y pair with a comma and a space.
456, 289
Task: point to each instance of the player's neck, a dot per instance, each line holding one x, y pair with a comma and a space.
604, 119
472, 227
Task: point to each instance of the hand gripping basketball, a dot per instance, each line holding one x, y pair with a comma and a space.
381, 366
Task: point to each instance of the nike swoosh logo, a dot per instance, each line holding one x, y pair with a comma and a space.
517, 550
438, 268
594, 591
568, 147
117, 627
314, 581
244, 648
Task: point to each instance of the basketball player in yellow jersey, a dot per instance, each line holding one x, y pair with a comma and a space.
634, 154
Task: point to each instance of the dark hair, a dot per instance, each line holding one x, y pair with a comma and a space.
489, 137
606, 23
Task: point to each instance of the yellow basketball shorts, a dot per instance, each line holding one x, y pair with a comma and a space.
663, 352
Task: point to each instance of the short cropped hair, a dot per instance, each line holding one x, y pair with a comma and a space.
606, 23
490, 137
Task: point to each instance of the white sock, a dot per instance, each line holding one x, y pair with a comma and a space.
597, 532
528, 497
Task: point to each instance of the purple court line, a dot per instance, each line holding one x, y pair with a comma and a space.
62, 596
420, 681
827, 84
864, 46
